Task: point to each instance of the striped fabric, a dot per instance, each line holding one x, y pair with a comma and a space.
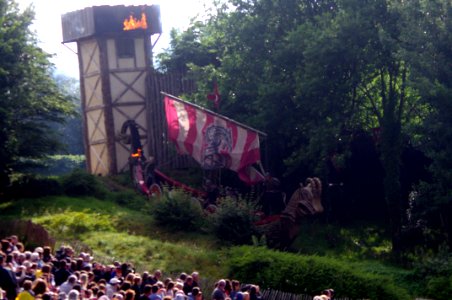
212, 141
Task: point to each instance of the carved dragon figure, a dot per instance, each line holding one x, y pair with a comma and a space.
305, 201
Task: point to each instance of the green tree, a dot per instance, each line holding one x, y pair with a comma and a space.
310, 72
433, 68
71, 131
29, 98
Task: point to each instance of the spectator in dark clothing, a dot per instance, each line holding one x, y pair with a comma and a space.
62, 274
8, 280
147, 291
188, 285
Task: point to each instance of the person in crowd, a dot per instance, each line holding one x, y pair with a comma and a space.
188, 285
73, 295
136, 285
195, 276
235, 288
154, 293
68, 285
47, 254
218, 292
113, 287
40, 287
129, 295
227, 288
147, 291
154, 278
255, 293
195, 294
62, 274
329, 293
8, 280
26, 293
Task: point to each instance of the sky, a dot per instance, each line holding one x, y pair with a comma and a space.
47, 24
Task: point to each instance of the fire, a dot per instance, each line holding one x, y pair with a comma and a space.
133, 23
137, 154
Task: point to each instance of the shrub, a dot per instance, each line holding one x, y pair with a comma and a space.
80, 183
130, 199
70, 224
308, 274
33, 186
439, 288
178, 210
233, 221
54, 165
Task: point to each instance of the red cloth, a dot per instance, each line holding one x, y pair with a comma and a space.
213, 141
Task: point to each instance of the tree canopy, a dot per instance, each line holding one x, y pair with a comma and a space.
317, 76
30, 101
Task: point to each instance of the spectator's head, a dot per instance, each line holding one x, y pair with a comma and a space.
157, 274
155, 289
39, 250
27, 285
6, 246
235, 285
195, 291
39, 286
72, 279
130, 295
20, 247
47, 251
48, 296
2, 257
147, 289
195, 276
328, 292
14, 239
183, 276
115, 281
62, 296
221, 284
73, 295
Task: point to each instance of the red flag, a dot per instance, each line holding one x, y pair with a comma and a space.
213, 141
215, 96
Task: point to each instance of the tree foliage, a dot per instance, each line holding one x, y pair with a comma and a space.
29, 98
315, 75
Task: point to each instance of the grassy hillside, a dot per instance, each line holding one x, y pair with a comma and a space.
118, 224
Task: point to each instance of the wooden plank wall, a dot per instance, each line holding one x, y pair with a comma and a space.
278, 295
159, 147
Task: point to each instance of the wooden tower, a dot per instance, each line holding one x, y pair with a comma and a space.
115, 60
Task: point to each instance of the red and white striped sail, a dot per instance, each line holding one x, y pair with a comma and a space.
213, 141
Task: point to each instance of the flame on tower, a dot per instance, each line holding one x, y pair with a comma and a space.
133, 23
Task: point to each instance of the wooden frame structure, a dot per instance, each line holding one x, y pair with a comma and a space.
114, 69
117, 84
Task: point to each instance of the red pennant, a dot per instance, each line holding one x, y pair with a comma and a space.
215, 96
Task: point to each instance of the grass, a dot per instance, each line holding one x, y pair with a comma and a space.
122, 228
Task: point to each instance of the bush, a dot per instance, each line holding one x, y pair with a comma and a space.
33, 186
55, 164
178, 210
439, 288
130, 199
308, 274
233, 221
70, 224
80, 183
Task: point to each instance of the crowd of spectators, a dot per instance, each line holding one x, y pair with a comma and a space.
63, 275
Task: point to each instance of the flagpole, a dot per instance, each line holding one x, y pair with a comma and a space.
214, 113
